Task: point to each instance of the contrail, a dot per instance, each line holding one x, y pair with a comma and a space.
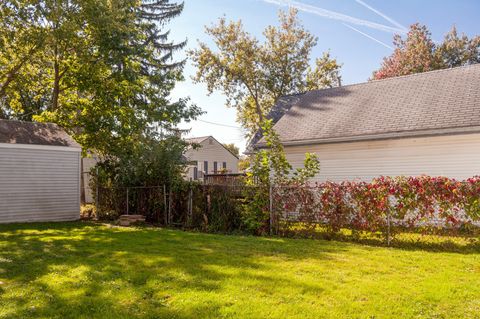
335, 15
383, 15
368, 36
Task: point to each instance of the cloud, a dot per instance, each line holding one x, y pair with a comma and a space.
335, 15
368, 36
383, 15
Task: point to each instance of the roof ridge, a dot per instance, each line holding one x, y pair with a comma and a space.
197, 137
392, 78
427, 72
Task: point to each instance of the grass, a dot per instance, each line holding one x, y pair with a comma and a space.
81, 270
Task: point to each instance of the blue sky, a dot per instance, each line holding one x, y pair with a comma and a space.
357, 33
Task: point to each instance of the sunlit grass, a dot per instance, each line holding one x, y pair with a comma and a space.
78, 270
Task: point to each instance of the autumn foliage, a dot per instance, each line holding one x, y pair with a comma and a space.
387, 204
417, 53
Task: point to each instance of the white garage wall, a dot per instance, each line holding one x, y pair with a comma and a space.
456, 156
39, 183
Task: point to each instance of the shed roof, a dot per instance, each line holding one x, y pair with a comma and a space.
438, 102
20, 132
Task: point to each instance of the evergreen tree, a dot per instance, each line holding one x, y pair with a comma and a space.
102, 69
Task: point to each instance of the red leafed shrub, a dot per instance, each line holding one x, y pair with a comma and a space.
387, 204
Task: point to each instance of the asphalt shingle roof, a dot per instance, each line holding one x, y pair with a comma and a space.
196, 140
19, 132
438, 101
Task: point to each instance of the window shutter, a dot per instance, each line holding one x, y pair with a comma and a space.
195, 173
215, 167
224, 165
205, 167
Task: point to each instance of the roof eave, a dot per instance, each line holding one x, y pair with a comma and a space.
385, 136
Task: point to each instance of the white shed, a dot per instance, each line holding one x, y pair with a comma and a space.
39, 173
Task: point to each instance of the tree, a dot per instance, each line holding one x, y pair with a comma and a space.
232, 148
102, 70
418, 53
19, 44
253, 75
458, 50
414, 54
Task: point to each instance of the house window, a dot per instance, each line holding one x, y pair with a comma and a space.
224, 165
205, 167
195, 173
215, 167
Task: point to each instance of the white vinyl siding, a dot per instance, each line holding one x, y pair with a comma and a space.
211, 151
88, 164
456, 156
39, 184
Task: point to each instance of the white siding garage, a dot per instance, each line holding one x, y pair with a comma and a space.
455, 156
426, 123
39, 173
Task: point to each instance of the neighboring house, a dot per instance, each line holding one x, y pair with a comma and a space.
426, 123
39, 173
87, 164
208, 157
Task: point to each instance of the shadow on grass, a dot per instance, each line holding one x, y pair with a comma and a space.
72, 270
462, 244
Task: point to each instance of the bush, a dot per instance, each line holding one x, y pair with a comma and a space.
88, 211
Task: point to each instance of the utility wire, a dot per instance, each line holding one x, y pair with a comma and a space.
219, 124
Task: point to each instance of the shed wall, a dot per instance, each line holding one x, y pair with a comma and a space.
39, 183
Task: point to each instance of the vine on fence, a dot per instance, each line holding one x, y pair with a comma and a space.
386, 205
269, 167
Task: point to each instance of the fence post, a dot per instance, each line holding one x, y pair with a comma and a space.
388, 227
169, 218
270, 195
96, 190
165, 204
127, 202
190, 206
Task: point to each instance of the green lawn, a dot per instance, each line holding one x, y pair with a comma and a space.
79, 270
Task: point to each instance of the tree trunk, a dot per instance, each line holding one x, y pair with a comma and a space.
11, 76
13, 72
56, 82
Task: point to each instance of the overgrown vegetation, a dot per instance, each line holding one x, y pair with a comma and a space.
386, 206
269, 166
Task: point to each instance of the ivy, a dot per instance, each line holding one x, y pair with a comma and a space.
269, 167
